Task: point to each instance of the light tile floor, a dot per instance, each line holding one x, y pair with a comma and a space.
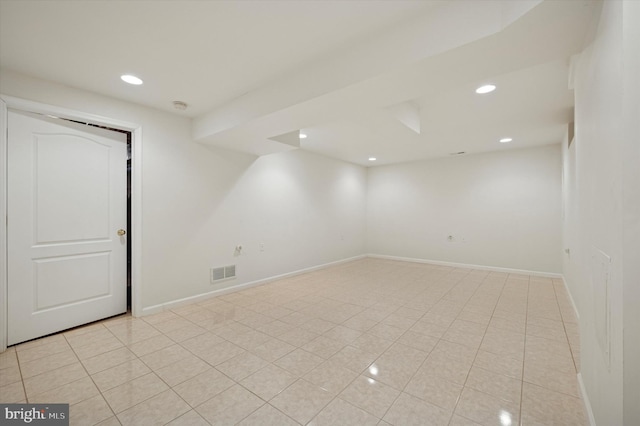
370, 342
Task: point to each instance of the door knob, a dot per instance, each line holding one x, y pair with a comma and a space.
121, 232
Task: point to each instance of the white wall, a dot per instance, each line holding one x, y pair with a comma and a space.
506, 206
307, 210
631, 203
602, 211
198, 203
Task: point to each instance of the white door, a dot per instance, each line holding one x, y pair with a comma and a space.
67, 205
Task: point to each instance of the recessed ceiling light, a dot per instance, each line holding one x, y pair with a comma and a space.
505, 140
303, 136
131, 79
372, 158
487, 88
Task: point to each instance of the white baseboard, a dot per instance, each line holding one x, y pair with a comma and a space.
585, 400
573, 303
468, 266
204, 296
208, 295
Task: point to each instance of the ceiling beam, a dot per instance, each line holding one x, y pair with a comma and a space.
243, 123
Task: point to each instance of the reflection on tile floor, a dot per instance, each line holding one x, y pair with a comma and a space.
370, 342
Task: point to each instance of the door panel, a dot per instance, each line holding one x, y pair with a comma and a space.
55, 286
66, 202
72, 197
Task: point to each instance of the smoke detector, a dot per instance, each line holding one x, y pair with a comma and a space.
179, 105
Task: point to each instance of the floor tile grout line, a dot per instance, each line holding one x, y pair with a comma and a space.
337, 395
330, 288
564, 327
150, 372
440, 339
456, 404
421, 364
365, 369
552, 341
44, 372
477, 350
524, 354
239, 382
92, 381
24, 387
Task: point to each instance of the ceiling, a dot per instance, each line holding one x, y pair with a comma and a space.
391, 79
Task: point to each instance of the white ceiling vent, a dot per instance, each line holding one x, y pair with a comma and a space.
223, 273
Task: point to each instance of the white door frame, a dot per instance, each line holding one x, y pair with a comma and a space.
136, 194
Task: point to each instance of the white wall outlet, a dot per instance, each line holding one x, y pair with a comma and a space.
261, 246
